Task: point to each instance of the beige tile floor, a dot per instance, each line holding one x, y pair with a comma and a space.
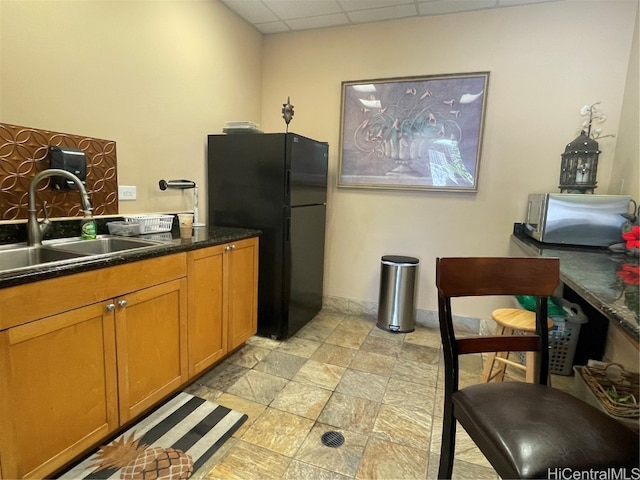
381, 390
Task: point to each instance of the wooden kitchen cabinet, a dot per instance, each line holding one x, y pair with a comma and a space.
151, 345
241, 282
58, 391
206, 325
223, 289
83, 354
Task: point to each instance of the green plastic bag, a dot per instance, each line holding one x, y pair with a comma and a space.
528, 302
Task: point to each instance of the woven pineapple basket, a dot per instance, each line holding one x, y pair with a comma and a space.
616, 388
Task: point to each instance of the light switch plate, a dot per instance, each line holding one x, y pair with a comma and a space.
126, 192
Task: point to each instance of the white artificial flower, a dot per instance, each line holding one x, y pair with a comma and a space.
587, 125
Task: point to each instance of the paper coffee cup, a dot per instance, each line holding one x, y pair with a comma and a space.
185, 220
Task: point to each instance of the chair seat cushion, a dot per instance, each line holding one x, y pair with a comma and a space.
533, 431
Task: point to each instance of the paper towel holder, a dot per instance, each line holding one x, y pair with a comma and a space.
73, 160
184, 184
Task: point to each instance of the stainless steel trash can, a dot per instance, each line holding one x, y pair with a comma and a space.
396, 303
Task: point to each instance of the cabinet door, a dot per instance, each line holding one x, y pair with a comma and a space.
241, 280
151, 327
58, 392
207, 328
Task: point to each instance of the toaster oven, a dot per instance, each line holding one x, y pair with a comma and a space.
576, 219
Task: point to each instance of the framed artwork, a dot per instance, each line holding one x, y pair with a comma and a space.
421, 133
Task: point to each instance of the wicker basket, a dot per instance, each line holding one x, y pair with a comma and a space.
601, 384
151, 223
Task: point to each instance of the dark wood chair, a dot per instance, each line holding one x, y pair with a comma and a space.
525, 430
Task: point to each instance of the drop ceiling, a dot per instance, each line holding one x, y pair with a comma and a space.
276, 16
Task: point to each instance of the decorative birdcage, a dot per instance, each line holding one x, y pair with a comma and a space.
579, 165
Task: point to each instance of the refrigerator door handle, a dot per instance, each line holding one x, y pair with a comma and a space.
287, 230
288, 184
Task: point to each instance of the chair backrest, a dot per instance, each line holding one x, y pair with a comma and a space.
479, 276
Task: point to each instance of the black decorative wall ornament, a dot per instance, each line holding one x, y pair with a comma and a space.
287, 112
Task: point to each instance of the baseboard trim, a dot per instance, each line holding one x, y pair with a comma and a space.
424, 318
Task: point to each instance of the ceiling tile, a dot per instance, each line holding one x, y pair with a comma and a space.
254, 11
511, 3
287, 9
387, 13
318, 22
438, 7
351, 5
272, 27
275, 16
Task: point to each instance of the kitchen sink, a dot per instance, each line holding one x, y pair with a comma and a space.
69, 250
103, 245
24, 257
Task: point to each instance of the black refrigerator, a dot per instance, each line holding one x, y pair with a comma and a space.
275, 182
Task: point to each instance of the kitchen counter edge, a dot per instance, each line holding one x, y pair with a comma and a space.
577, 267
203, 237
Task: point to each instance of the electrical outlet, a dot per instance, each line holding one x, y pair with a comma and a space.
126, 192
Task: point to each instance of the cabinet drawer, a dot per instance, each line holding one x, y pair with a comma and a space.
25, 303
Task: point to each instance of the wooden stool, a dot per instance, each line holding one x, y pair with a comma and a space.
508, 320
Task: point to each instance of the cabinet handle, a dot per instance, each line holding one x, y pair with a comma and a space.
111, 307
122, 303
233, 247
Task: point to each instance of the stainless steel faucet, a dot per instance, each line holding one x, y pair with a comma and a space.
36, 228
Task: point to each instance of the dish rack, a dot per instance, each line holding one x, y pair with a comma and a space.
124, 229
151, 223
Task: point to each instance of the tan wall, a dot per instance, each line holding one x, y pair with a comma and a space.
546, 62
626, 168
156, 77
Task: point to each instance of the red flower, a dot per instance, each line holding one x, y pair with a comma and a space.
632, 237
630, 274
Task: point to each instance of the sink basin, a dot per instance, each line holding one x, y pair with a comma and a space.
103, 245
63, 251
24, 257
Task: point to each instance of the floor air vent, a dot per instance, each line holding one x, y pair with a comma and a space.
332, 439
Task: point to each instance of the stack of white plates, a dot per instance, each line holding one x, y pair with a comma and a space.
241, 127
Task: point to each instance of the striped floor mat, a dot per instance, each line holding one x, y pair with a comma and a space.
170, 443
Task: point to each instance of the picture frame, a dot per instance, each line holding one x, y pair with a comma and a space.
418, 133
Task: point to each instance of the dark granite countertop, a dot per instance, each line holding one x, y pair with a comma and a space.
202, 237
592, 274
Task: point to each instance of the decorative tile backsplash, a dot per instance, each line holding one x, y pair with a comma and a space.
24, 152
